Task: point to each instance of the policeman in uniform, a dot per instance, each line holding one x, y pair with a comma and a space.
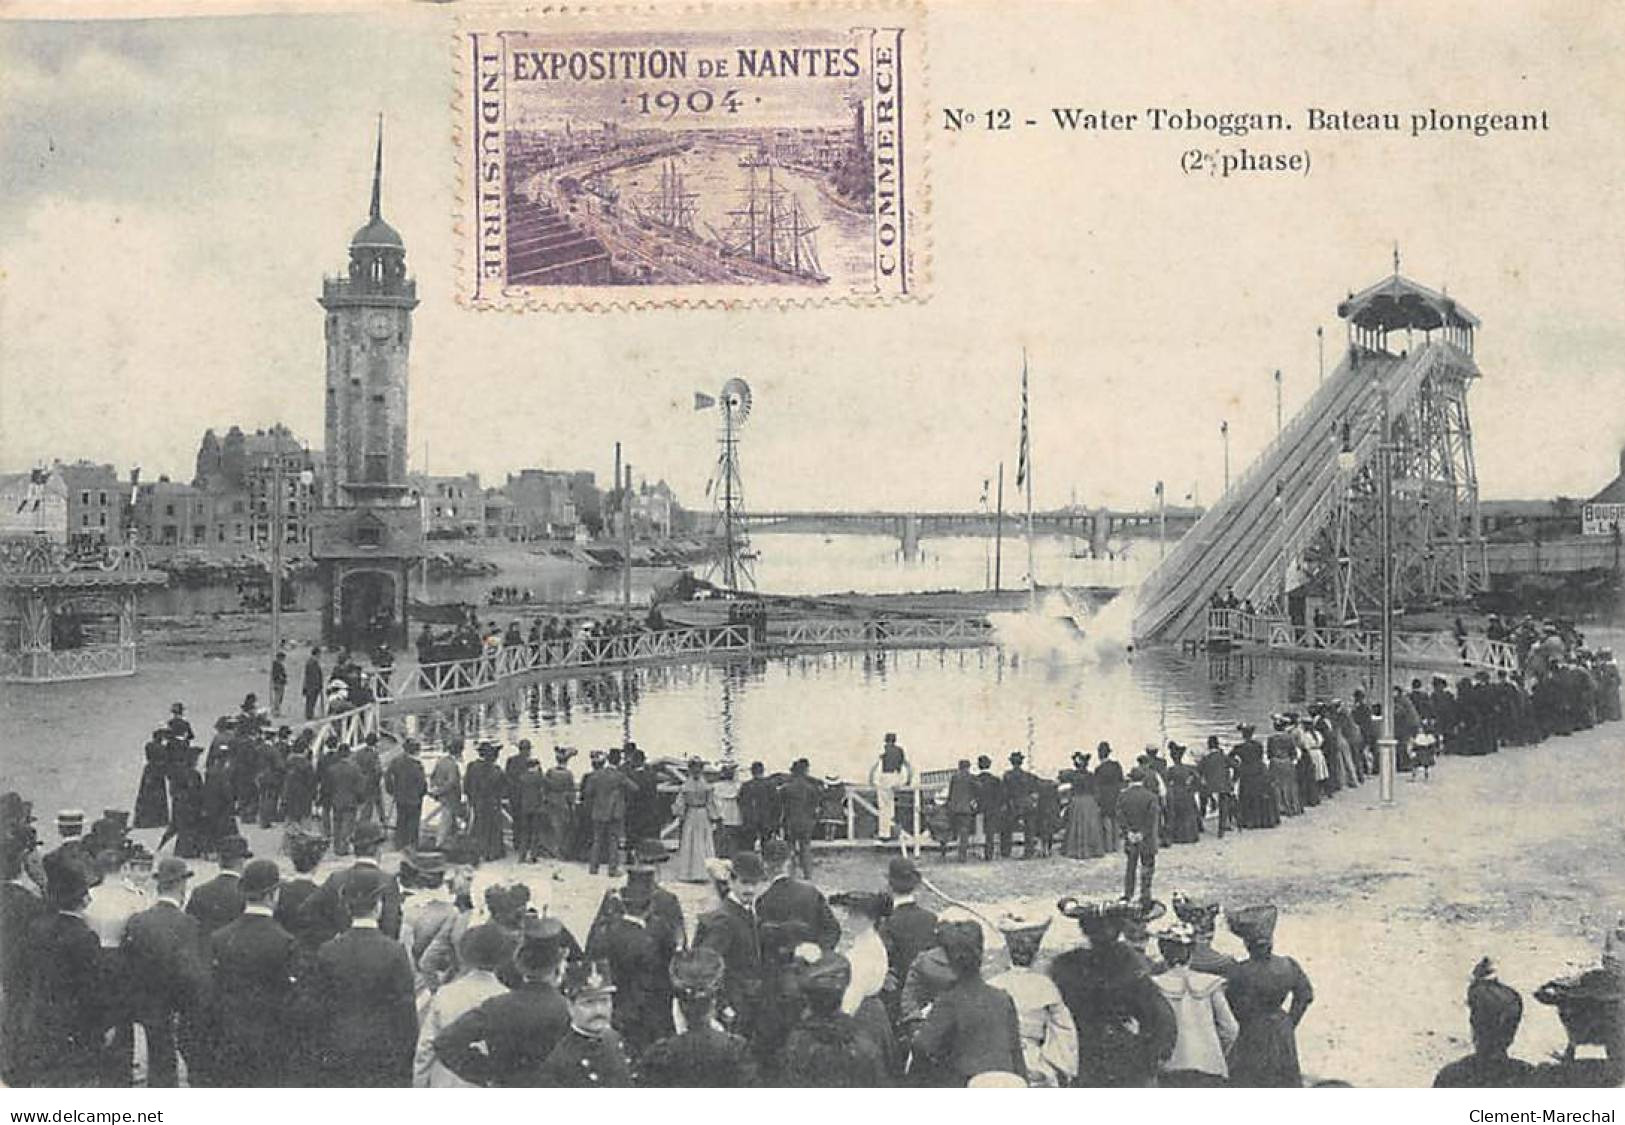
590, 1053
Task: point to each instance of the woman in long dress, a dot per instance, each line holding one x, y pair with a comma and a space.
694, 842
1206, 1027
1184, 817
1085, 830
152, 795
1255, 797
1266, 1049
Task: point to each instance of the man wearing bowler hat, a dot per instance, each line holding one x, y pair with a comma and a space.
255, 962
909, 930
787, 899
68, 994
220, 900
505, 1041
1139, 814
324, 913
365, 984
167, 955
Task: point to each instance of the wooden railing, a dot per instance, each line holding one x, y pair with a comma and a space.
350, 727
53, 665
459, 677
448, 678
1237, 627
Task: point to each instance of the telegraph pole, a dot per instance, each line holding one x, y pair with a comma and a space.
1224, 436
277, 521
1277, 402
998, 536
626, 543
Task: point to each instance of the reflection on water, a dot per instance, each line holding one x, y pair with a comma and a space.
944, 705
790, 563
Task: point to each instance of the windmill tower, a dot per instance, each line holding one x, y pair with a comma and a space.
731, 556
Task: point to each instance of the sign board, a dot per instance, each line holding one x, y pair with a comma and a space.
1601, 519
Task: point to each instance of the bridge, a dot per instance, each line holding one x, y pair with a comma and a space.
1095, 526
1300, 530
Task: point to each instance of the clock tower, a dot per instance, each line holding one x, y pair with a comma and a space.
366, 536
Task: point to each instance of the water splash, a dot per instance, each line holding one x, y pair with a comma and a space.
1060, 629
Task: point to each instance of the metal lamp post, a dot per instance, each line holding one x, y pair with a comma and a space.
1386, 749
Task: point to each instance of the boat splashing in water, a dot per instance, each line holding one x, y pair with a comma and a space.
1061, 628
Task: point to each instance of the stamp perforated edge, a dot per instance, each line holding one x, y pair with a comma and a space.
609, 299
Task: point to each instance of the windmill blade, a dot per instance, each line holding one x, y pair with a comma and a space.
703, 401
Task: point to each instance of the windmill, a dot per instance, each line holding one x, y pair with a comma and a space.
732, 556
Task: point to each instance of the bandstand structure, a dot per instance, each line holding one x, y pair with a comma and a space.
70, 616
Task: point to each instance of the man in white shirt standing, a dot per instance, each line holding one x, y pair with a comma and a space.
890, 772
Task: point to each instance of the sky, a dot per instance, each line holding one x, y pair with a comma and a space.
172, 192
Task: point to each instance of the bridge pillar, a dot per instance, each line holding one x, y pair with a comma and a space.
909, 533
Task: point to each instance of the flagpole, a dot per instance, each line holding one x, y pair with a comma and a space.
1027, 474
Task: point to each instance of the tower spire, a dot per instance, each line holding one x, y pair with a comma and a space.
375, 209
378, 168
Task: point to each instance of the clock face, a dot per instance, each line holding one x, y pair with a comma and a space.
379, 325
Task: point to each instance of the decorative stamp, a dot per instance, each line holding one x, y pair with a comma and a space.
698, 156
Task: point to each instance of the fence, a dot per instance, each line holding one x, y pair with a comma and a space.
462, 677
1234, 627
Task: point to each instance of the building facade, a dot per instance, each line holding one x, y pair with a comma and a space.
241, 476
95, 503
453, 507
543, 504
368, 531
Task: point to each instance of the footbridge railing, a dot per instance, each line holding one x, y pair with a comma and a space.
450, 678
1238, 628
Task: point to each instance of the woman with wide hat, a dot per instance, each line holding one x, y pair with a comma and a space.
1049, 1038
702, 1056
1125, 1027
1266, 1050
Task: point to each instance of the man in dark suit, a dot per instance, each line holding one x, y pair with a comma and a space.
909, 930
364, 984
255, 962
1108, 787
1139, 812
759, 808
518, 1029
220, 900
68, 992
340, 788
962, 806
366, 760
323, 914
605, 792
314, 683
990, 801
20, 907
803, 798
167, 955
731, 932
1020, 803
791, 900
639, 952
405, 781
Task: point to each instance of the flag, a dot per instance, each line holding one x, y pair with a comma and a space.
1021, 460
703, 402
1159, 490
135, 484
